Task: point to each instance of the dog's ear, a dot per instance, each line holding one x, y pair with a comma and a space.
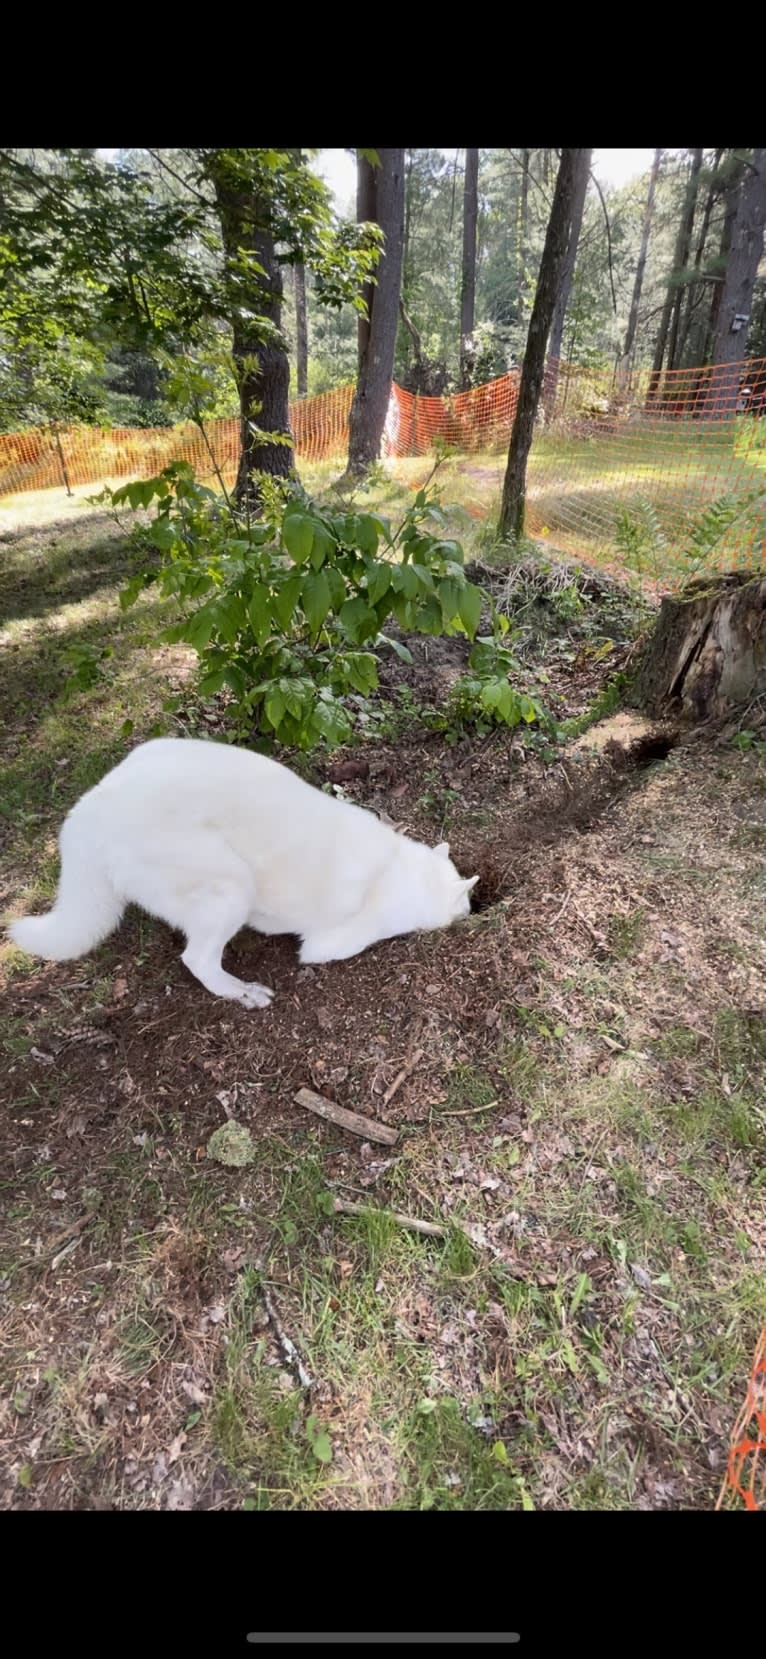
470, 883
442, 851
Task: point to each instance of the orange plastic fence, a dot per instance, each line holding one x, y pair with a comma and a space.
674, 442
745, 1481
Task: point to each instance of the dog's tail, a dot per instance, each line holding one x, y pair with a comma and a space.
87, 907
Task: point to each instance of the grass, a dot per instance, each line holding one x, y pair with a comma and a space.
589, 1129
576, 487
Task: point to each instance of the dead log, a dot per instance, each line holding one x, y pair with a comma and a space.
707, 653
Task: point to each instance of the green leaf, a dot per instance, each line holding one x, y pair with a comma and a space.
235, 679
293, 699
508, 705
470, 608
450, 595
401, 651
259, 614
211, 684
131, 591
428, 617
358, 620
362, 671
198, 628
450, 550
319, 1440
323, 545
330, 721
337, 586
274, 708
491, 695
420, 548
378, 581
528, 709
404, 580
404, 611
298, 536
230, 615
315, 598
367, 533
162, 534
285, 599
140, 493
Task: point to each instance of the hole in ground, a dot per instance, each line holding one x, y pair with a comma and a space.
643, 751
572, 803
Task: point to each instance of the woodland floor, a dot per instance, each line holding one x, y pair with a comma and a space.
576, 1074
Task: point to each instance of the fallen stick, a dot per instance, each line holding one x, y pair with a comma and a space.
470, 1111
412, 1223
560, 912
54, 1252
353, 1121
598, 938
289, 1350
400, 1077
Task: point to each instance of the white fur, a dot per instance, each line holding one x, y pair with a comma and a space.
211, 839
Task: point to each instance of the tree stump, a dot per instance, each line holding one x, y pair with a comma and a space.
707, 654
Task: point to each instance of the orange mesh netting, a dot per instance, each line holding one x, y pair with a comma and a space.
672, 443
745, 1481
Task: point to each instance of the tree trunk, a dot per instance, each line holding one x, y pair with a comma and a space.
573, 168
406, 250
562, 298
730, 214
301, 330
263, 369
379, 198
684, 250
638, 281
468, 288
523, 226
694, 299
707, 653
736, 290
674, 291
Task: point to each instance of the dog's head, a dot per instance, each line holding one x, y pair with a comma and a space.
452, 892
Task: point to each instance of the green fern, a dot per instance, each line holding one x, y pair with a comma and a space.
707, 529
641, 539
639, 534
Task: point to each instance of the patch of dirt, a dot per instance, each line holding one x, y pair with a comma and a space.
160, 1065
436, 664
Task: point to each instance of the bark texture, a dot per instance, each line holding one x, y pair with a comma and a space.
707, 654
263, 369
379, 199
301, 331
468, 286
573, 166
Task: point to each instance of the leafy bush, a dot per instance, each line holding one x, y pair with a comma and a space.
287, 613
484, 696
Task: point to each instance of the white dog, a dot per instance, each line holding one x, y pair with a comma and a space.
211, 838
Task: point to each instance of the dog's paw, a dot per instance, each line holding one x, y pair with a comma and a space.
255, 996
